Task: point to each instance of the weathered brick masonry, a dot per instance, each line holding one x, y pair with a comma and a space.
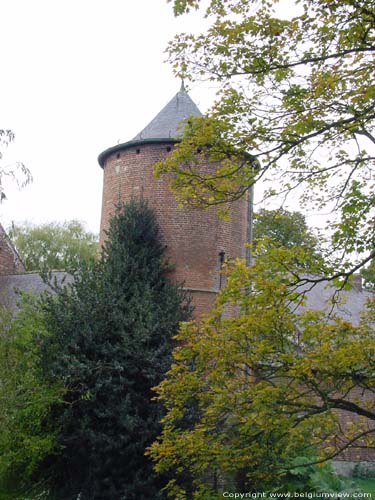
194, 238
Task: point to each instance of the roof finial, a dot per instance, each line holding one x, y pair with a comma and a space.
182, 89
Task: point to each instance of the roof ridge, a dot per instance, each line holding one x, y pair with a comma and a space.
167, 123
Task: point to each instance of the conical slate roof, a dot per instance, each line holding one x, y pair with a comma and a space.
167, 124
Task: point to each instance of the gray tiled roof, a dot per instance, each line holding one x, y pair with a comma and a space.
167, 124
11, 285
347, 304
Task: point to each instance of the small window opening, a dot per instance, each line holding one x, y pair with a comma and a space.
118, 155
138, 151
221, 261
168, 149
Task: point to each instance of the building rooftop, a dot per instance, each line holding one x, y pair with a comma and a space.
167, 123
12, 286
346, 304
166, 126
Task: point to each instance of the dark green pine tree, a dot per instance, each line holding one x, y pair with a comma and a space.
111, 342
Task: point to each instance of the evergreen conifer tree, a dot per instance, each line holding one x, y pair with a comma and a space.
111, 342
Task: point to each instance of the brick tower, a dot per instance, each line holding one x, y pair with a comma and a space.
196, 240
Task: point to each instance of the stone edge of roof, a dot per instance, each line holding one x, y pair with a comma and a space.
125, 145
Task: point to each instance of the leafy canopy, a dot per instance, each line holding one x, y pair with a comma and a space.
111, 342
285, 228
54, 245
296, 91
25, 400
265, 382
368, 275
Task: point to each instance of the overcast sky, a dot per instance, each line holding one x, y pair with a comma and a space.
78, 76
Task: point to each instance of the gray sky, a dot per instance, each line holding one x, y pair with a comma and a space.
77, 76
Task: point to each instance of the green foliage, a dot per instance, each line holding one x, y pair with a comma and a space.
54, 245
25, 401
296, 90
363, 471
112, 341
314, 478
287, 229
365, 485
266, 382
368, 275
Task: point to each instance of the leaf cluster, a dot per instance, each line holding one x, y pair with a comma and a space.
54, 245
286, 229
25, 401
267, 378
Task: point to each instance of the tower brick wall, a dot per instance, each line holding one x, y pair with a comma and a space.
193, 237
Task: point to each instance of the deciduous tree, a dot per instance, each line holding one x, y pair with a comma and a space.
285, 228
289, 229
296, 107
25, 401
54, 245
297, 92
266, 384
